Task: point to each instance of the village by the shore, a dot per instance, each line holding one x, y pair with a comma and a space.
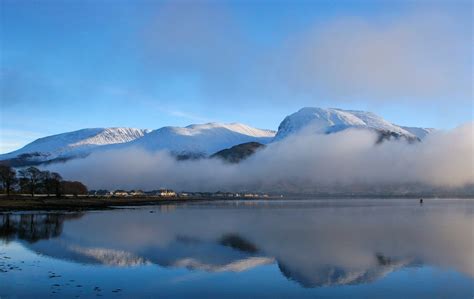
35, 189
168, 193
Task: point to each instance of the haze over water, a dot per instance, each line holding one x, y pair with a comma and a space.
284, 248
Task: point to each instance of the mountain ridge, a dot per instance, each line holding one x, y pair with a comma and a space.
199, 140
203, 139
74, 142
206, 140
331, 120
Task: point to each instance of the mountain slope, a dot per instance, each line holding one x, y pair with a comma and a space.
239, 152
204, 139
74, 143
419, 132
325, 121
194, 141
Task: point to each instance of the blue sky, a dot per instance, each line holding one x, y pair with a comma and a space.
67, 65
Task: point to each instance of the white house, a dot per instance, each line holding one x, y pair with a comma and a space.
166, 193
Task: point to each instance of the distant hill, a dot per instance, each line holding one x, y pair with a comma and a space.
239, 152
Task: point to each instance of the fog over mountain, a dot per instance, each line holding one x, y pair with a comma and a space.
301, 162
314, 150
202, 140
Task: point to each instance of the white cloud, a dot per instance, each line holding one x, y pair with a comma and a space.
348, 159
423, 55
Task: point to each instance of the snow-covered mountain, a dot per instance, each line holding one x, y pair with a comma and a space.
74, 143
196, 140
202, 139
324, 121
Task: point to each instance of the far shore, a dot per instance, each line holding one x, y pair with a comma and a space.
81, 203
87, 203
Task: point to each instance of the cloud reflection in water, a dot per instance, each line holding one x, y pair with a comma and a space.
314, 243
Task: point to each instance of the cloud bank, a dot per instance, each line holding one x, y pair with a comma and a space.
347, 160
420, 56
424, 54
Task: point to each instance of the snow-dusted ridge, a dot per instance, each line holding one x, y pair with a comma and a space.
75, 143
330, 120
202, 139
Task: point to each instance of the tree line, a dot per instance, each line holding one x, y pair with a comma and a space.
33, 181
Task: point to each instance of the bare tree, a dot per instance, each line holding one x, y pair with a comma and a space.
8, 178
73, 187
45, 178
52, 182
31, 178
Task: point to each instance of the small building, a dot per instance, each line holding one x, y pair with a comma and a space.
166, 193
120, 193
251, 195
137, 193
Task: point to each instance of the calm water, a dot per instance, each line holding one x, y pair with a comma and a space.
273, 249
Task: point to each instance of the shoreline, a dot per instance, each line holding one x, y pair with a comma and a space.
17, 203
77, 204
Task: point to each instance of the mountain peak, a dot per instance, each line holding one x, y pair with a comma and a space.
328, 120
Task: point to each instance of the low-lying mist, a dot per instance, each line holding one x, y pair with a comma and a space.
348, 160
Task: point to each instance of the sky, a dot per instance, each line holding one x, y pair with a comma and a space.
67, 65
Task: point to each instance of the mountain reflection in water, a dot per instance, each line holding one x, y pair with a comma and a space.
313, 243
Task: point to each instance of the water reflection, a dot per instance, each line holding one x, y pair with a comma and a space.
33, 227
314, 244
326, 275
